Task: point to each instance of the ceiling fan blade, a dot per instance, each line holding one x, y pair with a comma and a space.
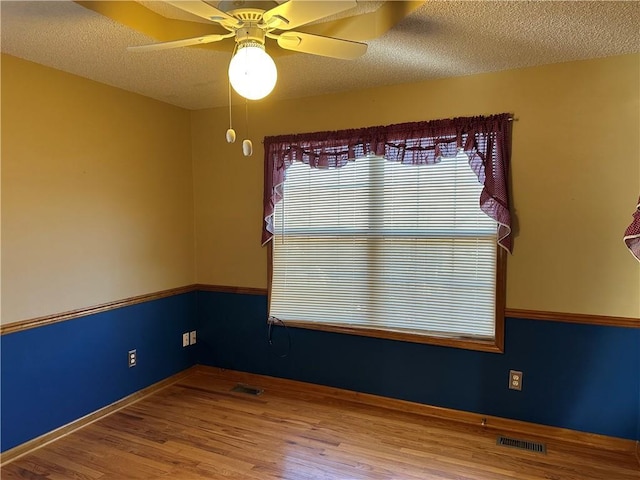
294, 13
319, 45
206, 11
179, 43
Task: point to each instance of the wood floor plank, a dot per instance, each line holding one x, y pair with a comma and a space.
199, 429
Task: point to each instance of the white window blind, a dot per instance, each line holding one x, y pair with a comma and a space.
380, 245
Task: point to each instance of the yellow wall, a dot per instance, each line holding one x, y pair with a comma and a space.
98, 184
575, 175
97, 193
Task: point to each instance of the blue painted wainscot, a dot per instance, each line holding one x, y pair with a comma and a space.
58, 373
580, 377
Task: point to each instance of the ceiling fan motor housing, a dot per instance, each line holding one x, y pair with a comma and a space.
250, 33
231, 7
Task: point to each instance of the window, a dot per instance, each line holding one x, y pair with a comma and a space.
402, 243
381, 248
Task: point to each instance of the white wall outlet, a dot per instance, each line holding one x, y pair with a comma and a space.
192, 338
515, 380
133, 358
185, 339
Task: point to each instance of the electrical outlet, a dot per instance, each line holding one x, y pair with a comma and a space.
192, 338
515, 380
133, 358
185, 339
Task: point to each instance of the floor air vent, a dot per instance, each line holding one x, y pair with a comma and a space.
240, 388
522, 444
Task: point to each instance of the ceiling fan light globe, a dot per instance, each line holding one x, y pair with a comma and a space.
252, 72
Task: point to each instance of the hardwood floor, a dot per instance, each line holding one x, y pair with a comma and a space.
198, 429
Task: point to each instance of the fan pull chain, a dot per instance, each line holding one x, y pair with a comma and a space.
247, 146
231, 133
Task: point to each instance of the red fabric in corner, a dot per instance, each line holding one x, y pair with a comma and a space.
632, 234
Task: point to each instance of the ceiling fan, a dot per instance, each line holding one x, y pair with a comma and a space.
252, 72
250, 22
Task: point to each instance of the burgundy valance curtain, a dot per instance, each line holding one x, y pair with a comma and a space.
486, 140
632, 234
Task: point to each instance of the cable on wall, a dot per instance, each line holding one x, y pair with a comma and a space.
276, 321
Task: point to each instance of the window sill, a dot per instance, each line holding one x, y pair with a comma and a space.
467, 343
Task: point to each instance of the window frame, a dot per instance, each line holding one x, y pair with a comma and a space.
486, 139
495, 344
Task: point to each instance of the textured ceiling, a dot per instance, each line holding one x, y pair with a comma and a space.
440, 39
